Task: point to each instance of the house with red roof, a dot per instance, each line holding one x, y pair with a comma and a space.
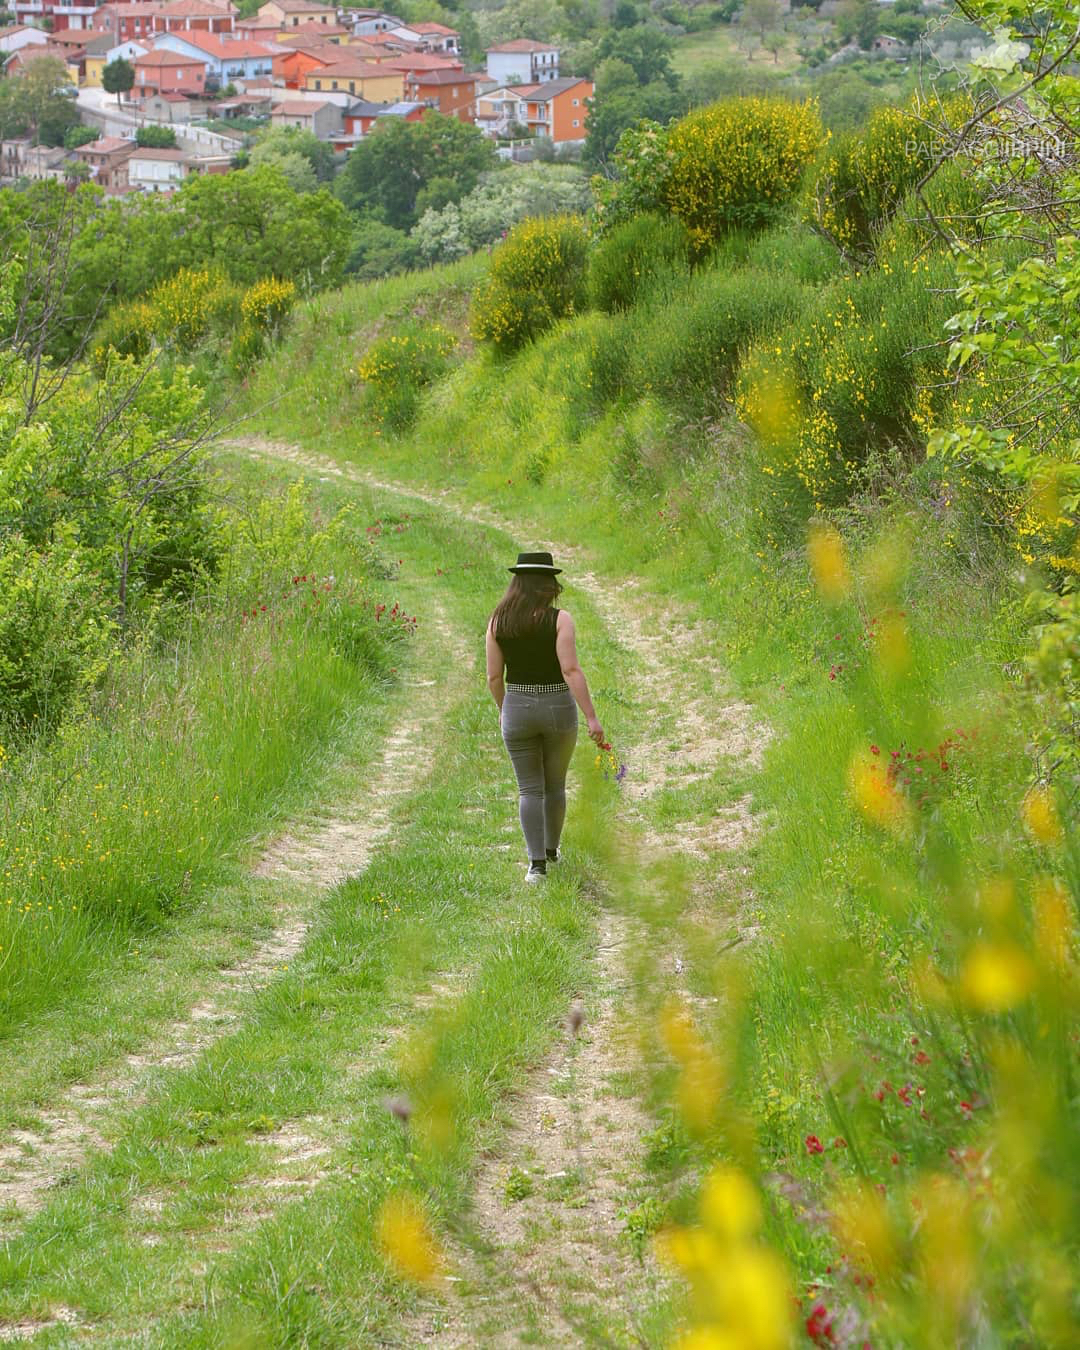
292, 65
429, 37
140, 21
227, 58
107, 158
363, 79
555, 109
166, 72
450, 92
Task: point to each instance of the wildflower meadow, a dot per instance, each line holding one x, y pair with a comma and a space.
783, 1051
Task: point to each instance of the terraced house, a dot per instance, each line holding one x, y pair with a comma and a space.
225, 58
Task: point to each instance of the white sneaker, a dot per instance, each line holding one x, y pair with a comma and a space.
533, 875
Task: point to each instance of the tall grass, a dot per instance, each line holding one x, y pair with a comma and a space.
190, 751
895, 1055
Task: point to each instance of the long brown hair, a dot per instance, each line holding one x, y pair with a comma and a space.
525, 605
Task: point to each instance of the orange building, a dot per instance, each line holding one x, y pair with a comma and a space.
164, 72
294, 64
451, 92
556, 109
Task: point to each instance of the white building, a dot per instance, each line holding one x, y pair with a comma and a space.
522, 61
19, 35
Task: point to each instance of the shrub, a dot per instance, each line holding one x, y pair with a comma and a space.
862, 177
609, 360
690, 352
635, 259
266, 305
738, 162
192, 306
537, 277
797, 252
849, 376
128, 330
54, 630
181, 313
397, 368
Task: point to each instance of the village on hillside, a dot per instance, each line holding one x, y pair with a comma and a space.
329, 71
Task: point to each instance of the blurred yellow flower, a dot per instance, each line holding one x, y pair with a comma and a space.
862, 1220
1040, 817
1054, 926
893, 646
825, 550
730, 1205
406, 1241
996, 977
877, 798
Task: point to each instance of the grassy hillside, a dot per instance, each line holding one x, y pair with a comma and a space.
854, 1052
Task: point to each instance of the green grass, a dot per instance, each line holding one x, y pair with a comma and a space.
129, 1241
831, 1002
696, 52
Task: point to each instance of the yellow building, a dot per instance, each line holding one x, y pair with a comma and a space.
293, 13
363, 79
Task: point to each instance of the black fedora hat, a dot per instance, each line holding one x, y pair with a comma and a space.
535, 562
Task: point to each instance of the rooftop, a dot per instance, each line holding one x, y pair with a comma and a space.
162, 57
106, 145
542, 93
433, 29
457, 76
355, 69
190, 9
300, 107
163, 156
524, 45
223, 46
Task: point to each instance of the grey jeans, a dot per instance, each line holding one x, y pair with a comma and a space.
539, 732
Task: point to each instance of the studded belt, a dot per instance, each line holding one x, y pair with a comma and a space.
538, 688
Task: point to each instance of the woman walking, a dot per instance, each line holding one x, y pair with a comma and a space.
534, 677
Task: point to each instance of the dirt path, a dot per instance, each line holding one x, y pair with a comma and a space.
551, 1263
307, 859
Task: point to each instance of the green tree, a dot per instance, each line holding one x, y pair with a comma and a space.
762, 17
857, 21
255, 225
79, 135
295, 167
621, 102
379, 250
387, 172
157, 138
292, 140
646, 50
118, 77
32, 102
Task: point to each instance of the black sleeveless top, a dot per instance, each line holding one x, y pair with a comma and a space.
532, 659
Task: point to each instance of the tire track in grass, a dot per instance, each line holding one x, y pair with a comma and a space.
32, 1162
555, 1266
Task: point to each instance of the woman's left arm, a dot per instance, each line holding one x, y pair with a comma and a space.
495, 668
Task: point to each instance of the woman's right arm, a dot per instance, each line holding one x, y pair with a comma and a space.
566, 651
495, 668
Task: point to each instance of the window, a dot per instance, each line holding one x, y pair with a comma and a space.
574, 122
333, 84
318, 84
453, 92
575, 105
